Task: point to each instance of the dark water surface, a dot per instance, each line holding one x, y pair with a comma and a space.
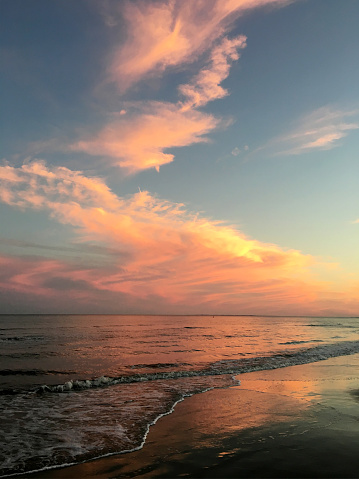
75, 387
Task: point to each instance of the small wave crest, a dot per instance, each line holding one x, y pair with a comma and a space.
226, 366
32, 372
302, 342
51, 431
158, 365
22, 338
74, 432
331, 325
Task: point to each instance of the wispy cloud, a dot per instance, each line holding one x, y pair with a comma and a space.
168, 252
74, 249
162, 35
320, 130
34, 275
168, 34
206, 86
138, 140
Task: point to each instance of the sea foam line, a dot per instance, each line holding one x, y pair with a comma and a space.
230, 366
309, 355
236, 382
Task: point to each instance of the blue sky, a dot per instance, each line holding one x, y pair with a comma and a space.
268, 149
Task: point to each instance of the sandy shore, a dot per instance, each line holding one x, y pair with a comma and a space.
300, 421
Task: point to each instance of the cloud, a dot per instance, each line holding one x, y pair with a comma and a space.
139, 140
34, 183
169, 253
205, 86
35, 275
161, 35
168, 34
320, 130
74, 249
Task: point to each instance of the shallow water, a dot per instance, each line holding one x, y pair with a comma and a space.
147, 364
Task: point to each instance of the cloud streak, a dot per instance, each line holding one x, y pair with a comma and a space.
320, 130
205, 86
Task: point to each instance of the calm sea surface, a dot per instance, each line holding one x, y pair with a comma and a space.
76, 387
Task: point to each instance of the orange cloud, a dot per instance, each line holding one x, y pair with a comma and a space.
138, 142
162, 35
205, 87
167, 252
37, 284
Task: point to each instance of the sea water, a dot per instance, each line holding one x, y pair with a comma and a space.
77, 387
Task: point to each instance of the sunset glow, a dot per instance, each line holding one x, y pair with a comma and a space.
179, 164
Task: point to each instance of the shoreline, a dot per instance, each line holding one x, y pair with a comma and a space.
298, 421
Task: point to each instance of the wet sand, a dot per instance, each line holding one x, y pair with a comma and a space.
300, 421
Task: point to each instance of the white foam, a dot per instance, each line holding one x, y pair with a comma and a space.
231, 366
71, 418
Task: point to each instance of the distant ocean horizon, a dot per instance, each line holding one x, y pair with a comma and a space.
185, 315
74, 387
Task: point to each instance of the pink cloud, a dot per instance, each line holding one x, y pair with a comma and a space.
161, 35
40, 285
34, 183
168, 34
168, 253
205, 86
138, 142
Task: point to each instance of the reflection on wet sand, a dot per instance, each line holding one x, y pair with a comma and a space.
290, 422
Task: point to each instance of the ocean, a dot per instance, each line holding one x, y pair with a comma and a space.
78, 387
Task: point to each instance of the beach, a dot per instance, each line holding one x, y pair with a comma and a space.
298, 421
179, 261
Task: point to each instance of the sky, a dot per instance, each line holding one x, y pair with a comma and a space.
179, 157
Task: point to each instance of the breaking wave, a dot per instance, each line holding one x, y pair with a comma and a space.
70, 412
226, 366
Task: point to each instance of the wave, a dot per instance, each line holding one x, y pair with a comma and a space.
125, 420
333, 325
302, 342
25, 355
126, 413
169, 371
225, 366
23, 338
32, 372
158, 365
